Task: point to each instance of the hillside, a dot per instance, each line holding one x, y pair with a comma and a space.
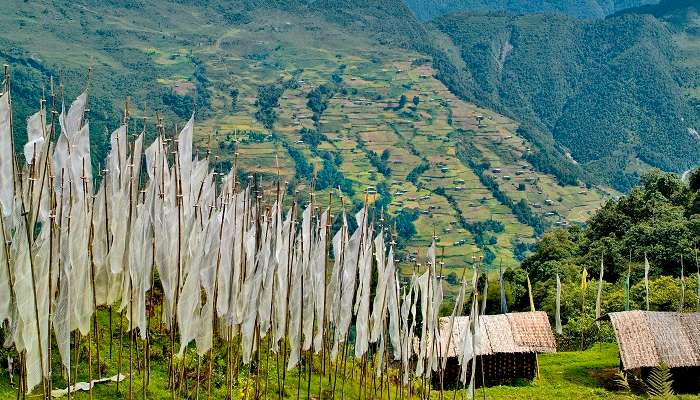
613, 93
563, 101
429, 9
290, 90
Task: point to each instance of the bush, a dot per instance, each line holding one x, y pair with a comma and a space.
417, 171
302, 168
405, 228
331, 177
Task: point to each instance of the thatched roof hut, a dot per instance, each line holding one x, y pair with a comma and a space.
649, 338
507, 351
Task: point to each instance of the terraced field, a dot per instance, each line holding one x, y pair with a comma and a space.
365, 116
381, 123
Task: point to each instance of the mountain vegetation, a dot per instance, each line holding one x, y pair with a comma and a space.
609, 92
428, 9
659, 219
362, 94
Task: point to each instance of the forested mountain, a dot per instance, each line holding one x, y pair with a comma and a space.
660, 218
428, 9
664, 8
614, 92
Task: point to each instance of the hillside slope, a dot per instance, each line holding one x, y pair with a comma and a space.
683, 20
298, 90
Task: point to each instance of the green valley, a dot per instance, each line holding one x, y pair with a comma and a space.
528, 174
253, 82
480, 129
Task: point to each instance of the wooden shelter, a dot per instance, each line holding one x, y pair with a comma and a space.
507, 350
649, 338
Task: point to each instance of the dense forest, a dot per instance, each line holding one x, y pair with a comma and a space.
660, 218
605, 101
428, 9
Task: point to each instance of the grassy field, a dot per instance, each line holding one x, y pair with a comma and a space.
586, 374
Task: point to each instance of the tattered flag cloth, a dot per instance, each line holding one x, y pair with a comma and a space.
485, 295
557, 315
7, 180
502, 287
681, 302
85, 386
646, 280
600, 293
529, 293
627, 290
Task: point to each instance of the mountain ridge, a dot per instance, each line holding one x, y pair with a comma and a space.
589, 9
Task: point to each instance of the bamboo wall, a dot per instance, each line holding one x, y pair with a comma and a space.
491, 370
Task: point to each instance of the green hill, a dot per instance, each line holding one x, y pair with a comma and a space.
682, 17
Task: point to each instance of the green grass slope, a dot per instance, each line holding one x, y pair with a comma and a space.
575, 375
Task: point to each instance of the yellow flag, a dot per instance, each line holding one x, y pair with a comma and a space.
529, 292
584, 282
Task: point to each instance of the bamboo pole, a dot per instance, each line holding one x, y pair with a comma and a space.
34, 294
327, 227
52, 223
215, 297
92, 280
291, 249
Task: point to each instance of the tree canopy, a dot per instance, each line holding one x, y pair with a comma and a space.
660, 218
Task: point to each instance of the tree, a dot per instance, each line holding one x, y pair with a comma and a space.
385, 155
331, 177
402, 102
416, 100
452, 278
551, 254
234, 99
404, 223
656, 219
694, 180
267, 102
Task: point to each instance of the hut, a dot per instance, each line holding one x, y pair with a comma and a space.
507, 351
649, 338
